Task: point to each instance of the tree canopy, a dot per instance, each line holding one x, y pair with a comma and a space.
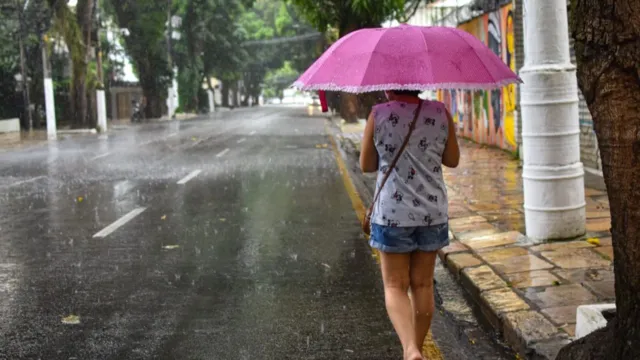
346, 16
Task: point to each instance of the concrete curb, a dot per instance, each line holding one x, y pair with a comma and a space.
520, 324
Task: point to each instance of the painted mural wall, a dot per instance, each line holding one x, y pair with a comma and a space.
488, 117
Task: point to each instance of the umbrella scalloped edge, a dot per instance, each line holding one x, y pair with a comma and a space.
381, 87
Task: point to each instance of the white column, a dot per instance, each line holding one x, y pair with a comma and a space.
553, 177
49, 101
176, 99
50, 109
212, 104
101, 103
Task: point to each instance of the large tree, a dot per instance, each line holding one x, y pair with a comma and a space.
76, 29
146, 45
276, 35
211, 43
607, 46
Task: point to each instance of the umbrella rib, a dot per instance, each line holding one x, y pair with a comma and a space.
371, 57
426, 47
455, 31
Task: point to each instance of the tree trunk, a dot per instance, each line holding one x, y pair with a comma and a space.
607, 52
84, 12
348, 102
155, 103
224, 91
235, 95
76, 30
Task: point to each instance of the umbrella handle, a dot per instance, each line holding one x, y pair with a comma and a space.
323, 101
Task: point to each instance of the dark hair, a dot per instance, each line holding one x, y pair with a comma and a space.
413, 93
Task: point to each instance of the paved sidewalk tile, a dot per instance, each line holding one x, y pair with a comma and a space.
536, 311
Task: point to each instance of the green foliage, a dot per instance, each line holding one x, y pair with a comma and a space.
146, 46
349, 15
272, 29
210, 45
35, 21
278, 80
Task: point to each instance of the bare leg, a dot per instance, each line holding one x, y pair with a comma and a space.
395, 275
421, 273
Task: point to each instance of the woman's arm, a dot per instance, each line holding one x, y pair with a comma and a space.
451, 154
368, 152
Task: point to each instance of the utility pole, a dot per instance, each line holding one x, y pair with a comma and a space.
553, 176
23, 68
49, 100
171, 95
101, 102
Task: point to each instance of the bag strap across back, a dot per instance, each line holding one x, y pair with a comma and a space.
392, 166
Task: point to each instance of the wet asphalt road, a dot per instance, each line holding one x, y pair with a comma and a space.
241, 243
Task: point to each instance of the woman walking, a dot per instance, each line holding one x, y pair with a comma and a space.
410, 221
407, 140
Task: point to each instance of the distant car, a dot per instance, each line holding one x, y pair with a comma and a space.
312, 100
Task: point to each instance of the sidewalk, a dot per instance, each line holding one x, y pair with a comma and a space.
22, 139
527, 293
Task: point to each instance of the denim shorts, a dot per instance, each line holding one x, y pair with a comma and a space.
409, 239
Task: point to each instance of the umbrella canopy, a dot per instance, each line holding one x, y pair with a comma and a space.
407, 58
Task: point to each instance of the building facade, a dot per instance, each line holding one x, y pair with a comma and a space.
491, 117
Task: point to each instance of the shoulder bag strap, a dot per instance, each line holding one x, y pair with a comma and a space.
395, 160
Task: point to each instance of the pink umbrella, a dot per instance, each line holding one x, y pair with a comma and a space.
407, 58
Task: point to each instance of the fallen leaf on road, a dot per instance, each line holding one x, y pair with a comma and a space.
163, 217
593, 241
223, 219
71, 320
194, 138
556, 283
79, 199
171, 247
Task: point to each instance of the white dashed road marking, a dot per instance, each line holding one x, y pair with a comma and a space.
189, 177
101, 156
223, 152
27, 181
118, 223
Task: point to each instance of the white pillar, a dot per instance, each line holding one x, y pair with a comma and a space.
212, 104
101, 103
176, 100
553, 177
49, 101
50, 109
172, 96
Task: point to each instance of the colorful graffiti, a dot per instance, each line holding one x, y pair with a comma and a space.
488, 116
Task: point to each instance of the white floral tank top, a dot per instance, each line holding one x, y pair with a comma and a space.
415, 193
